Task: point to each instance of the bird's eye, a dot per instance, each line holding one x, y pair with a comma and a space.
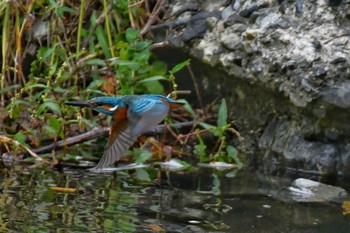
93, 104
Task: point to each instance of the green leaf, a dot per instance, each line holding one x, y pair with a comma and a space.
222, 114
200, 150
206, 125
102, 39
218, 132
130, 64
179, 66
9, 88
232, 153
54, 123
69, 10
95, 85
188, 107
154, 78
141, 174
143, 156
154, 87
139, 46
131, 35
54, 107
142, 56
44, 53
36, 85
21, 138
96, 62
49, 130
60, 90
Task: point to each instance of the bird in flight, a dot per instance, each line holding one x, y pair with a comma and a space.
132, 115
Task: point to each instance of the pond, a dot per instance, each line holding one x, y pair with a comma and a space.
150, 200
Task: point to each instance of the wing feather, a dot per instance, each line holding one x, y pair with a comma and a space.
143, 114
120, 140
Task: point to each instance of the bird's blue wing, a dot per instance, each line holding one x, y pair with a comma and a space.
145, 112
141, 104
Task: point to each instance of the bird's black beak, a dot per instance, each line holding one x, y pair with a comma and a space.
80, 104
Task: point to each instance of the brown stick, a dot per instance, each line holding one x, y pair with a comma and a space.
156, 10
100, 132
92, 134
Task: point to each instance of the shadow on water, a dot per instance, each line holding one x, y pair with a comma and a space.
200, 200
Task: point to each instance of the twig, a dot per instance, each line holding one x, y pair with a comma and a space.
336, 37
101, 132
180, 92
92, 134
7, 140
196, 87
159, 45
156, 10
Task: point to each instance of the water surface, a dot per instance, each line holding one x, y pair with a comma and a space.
150, 200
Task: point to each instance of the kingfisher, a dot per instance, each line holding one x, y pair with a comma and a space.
131, 115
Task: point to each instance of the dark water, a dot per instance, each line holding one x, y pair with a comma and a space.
148, 200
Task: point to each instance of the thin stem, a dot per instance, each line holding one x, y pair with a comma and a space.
80, 24
108, 28
5, 35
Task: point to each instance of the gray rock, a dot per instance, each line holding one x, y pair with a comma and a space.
337, 60
230, 41
338, 95
227, 12
247, 12
305, 190
234, 19
290, 65
274, 20
319, 71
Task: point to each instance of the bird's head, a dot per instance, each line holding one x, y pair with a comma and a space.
104, 104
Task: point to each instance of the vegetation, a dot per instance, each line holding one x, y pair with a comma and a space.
53, 51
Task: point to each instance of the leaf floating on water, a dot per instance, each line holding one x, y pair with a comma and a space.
155, 227
346, 207
63, 189
174, 165
218, 165
123, 168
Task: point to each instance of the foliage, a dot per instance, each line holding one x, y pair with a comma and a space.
105, 55
63, 50
224, 153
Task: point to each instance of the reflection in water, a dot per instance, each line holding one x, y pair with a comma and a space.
191, 201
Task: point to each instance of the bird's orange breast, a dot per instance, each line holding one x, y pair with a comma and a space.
120, 114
